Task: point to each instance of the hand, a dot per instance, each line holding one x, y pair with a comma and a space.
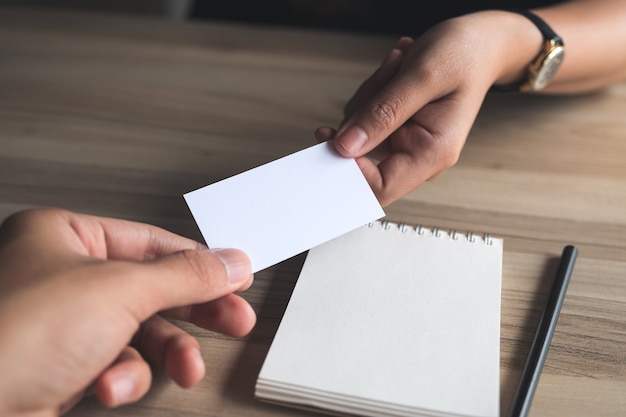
416, 111
78, 302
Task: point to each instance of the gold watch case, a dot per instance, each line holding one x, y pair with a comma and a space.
544, 66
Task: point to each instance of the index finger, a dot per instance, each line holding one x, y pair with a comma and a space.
118, 239
138, 241
99, 237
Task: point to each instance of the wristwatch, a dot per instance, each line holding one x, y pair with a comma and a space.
544, 66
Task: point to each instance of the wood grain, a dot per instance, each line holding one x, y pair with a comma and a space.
120, 116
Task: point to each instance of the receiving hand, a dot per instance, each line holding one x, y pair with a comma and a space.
78, 302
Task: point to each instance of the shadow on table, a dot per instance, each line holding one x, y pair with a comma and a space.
521, 347
277, 285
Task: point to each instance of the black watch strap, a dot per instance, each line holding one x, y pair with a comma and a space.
548, 35
546, 30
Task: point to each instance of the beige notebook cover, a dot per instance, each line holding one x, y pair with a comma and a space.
391, 320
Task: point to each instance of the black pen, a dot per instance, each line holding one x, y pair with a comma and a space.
547, 323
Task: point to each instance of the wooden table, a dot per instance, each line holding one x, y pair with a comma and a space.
120, 116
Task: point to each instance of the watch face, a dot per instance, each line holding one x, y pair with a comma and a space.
548, 67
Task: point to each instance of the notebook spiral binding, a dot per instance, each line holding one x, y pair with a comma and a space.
434, 231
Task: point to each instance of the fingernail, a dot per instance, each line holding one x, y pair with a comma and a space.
352, 140
237, 264
122, 389
324, 133
198, 359
197, 355
392, 56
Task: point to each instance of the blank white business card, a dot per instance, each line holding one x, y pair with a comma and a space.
285, 207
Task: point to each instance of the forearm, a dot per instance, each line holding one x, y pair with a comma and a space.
594, 33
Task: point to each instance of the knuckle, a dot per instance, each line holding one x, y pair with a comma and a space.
385, 113
450, 156
435, 74
443, 152
22, 221
447, 154
206, 270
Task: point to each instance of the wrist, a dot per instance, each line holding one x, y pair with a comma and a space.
517, 43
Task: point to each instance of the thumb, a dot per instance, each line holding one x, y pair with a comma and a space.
376, 120
381, 115
188, 277
371, 113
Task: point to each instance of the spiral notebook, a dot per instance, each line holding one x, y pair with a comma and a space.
392, 320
